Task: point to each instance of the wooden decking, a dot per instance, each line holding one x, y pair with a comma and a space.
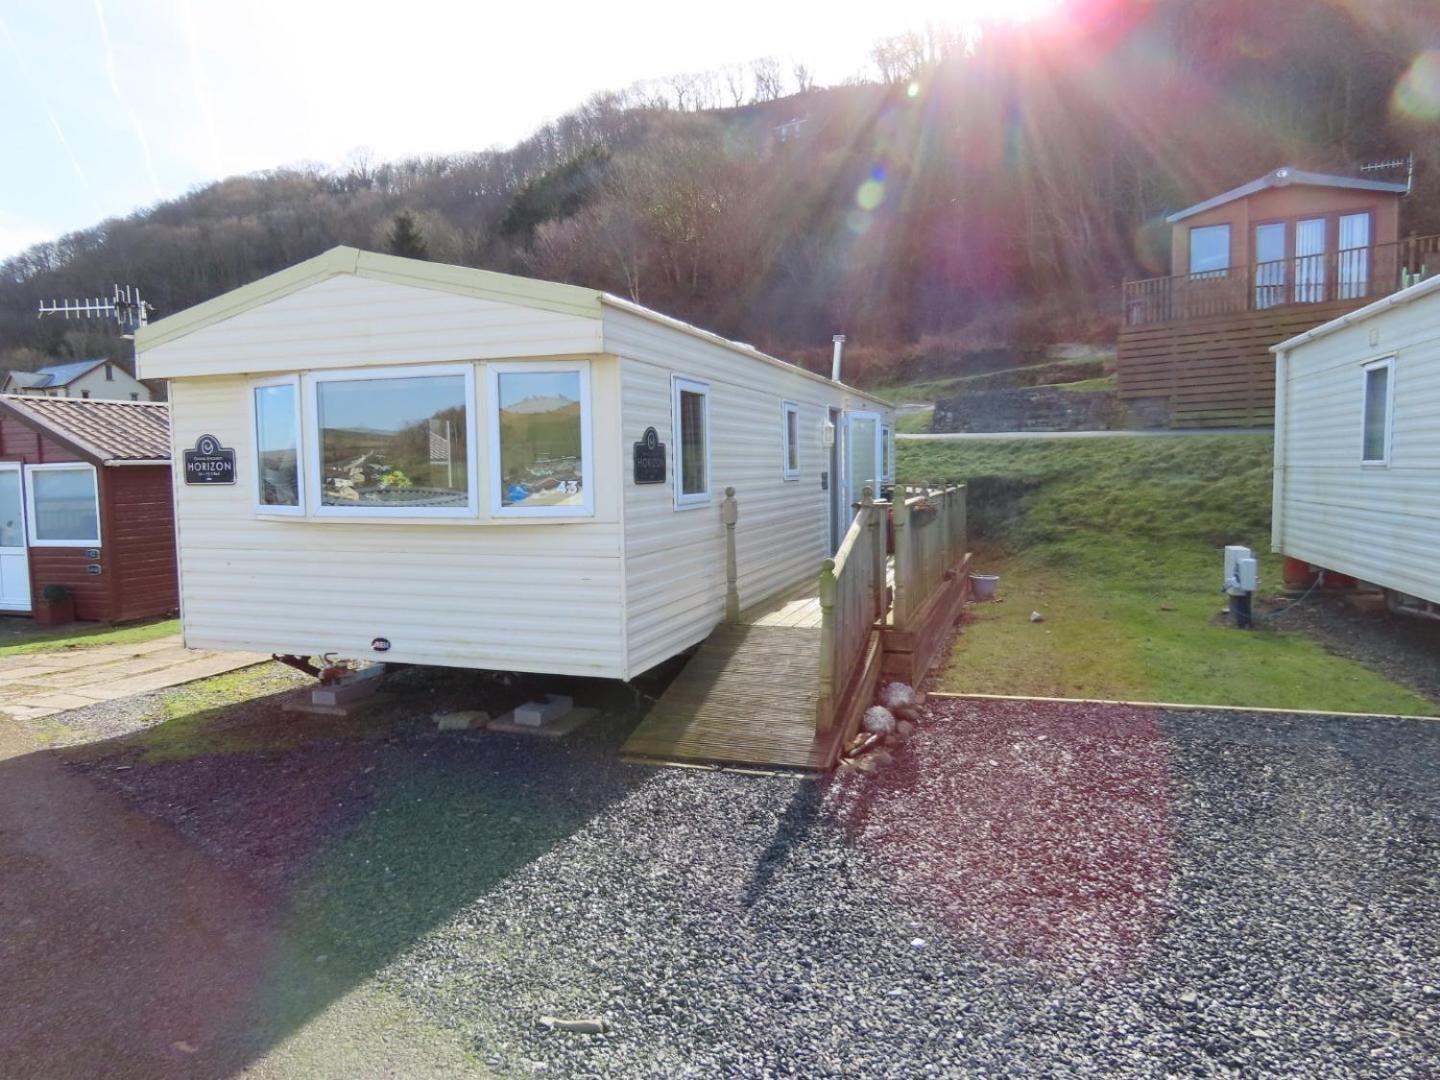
785, 682
749, 695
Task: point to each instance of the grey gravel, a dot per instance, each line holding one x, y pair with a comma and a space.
1026, 889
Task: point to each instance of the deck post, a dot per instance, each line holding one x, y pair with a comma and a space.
900, 514
825, 700
877, 545
729, 514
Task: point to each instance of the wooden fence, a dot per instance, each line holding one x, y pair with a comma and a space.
929, 543
852, 601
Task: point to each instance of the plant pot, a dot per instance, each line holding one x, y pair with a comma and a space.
54, 612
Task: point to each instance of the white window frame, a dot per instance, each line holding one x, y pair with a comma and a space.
301, 462
887, 454
311, 430
787, 410
1389, 364
689, 501
587, 444
30, 516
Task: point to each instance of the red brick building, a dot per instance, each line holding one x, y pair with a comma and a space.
86, 502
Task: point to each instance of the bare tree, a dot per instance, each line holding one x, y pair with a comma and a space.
804, 77
765, 74
736, 84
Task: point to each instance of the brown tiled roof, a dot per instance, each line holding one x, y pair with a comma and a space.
98, 428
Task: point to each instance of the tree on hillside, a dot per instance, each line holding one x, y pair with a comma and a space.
405, 238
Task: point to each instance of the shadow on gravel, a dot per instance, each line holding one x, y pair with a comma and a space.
234, 876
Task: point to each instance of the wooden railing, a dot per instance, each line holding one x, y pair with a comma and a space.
930, 542
852, 600
1352, 274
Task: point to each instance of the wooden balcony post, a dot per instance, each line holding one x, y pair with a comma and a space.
825, 700
901, 516
729, 514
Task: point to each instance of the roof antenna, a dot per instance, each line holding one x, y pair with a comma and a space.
1407, 163
126, 307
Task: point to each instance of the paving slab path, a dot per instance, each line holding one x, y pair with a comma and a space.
40, 684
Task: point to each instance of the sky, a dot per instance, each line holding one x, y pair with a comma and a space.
113, 105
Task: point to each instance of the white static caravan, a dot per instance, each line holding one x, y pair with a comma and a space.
446, 466
1357, 446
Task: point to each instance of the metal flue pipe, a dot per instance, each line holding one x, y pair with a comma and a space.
839, 340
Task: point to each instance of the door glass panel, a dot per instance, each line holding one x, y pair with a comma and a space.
1354, 256
1310, 261
12, 526
864, 458
1269, 264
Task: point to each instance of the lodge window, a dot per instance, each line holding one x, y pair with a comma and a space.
1209, 249
393, 442
1379, 403
691, 406
279, 484
540, 440
109, 374
64, 505
790, 436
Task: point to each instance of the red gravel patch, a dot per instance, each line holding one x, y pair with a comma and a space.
1041, 831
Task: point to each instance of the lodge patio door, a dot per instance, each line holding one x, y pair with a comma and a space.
14, 555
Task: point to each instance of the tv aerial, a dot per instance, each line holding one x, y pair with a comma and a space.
129, 310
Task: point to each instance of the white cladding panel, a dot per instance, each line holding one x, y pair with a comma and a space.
675, 558
505, 595
346, 321
1377, 523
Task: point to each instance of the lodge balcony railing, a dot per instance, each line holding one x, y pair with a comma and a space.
1357, 274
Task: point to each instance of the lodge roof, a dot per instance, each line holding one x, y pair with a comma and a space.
102, 430
1287, 176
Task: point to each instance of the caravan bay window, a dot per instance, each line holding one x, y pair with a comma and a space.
540, 440
394, 442
277, 446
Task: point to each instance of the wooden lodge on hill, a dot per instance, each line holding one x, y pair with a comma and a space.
1249, 268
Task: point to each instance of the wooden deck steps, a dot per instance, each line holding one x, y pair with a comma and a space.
747, 697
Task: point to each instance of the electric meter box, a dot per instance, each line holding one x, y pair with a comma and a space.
1242, 570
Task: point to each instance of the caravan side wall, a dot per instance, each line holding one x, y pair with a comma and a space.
1378, 523
675, 557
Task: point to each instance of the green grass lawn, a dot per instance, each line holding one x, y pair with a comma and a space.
87, 635
1116, 542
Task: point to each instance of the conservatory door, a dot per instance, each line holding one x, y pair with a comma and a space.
14, 558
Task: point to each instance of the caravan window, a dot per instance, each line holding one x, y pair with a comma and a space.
64, 505
277, 446
394, 442
692, 442
887, 453
1379, 399
540, 440
790, 440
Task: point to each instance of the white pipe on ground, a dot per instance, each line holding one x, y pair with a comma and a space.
839, 340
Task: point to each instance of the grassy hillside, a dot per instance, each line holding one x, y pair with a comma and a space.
1116, 542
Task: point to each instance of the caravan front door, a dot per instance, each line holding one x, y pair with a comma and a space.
862, 459
14, 558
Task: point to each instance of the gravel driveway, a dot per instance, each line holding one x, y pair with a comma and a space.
1026, 890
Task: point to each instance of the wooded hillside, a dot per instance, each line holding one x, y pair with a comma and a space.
995, 188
